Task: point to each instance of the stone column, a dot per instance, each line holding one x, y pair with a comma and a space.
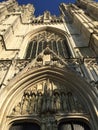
43, 124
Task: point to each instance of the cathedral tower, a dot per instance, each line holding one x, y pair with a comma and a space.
49, 67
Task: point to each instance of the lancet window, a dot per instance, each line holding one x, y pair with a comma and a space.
57, 43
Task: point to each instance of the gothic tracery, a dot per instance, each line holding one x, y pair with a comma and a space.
56, 42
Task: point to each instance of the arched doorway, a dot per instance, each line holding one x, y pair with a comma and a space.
25, 126
55, 86
73, 125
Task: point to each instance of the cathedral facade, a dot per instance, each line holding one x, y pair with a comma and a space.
49, 67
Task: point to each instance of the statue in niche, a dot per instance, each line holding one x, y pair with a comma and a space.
63, 102
48, 98
45, 89
57, 102
36, 103
44, 104
26, 104
70, 102
53, 105
32, 103
39, 102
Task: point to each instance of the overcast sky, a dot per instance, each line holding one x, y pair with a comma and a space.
42, 5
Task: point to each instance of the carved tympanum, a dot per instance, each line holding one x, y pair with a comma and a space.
48, 97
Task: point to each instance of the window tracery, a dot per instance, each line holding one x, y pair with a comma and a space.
56, 42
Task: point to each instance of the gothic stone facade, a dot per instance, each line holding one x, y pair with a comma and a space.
49, 67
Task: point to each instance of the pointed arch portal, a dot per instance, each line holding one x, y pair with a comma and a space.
31, 80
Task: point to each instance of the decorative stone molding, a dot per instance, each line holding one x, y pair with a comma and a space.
4, 65
47, 18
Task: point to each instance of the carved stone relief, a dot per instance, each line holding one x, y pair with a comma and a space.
4, 67
15, 67
21, 64
48, 97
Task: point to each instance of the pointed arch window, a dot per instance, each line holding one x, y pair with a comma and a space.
58, 44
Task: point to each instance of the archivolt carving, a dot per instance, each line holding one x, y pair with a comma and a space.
48, 97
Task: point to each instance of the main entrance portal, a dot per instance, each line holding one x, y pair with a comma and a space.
45, 105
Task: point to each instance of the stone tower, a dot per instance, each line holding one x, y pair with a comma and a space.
49, 67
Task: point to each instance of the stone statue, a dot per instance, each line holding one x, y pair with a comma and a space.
45, 89
71, 102
39, 102
63, 102
53, 105
48, 97
44, 104
57, 102
26, 105
32, 103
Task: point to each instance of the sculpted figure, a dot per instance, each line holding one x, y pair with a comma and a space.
53, 103
57, 102
63, 102
32, 103
39, 102
44, 104
25, 107
71, 102
48, 97
36, 104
